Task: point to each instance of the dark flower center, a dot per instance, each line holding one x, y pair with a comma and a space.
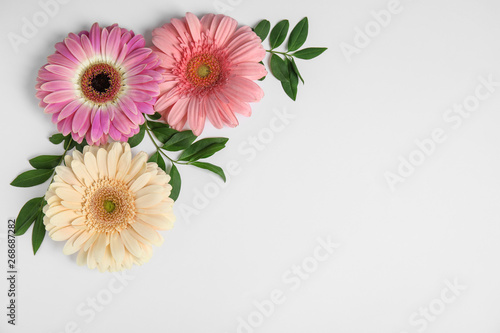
100, 83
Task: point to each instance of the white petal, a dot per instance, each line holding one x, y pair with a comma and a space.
68, 194
63, 218
61, 234
91, 164
140, 182
131, 243
148, 200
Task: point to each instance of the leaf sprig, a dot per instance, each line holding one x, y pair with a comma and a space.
282, 64
167, 139
44, 168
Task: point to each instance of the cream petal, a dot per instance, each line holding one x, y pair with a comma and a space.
71, 205
140, 182
124, 165
147, 232
61, 234
159, 180
102, 164
63, 218
91, 164
99, 247
81, 259
138, 164
78, 221
67, 175
69, 247
81, 173
148, 200
84, 236
55, 210
90, 241
68, 194
130, 243
117, 248
159, 222
149, 189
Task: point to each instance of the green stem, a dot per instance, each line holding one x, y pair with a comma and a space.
274, 52
158, 148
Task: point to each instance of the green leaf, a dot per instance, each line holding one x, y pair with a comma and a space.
56, 138
80, 146
158, 159
32, 178
203, 149
27, 215
279, 68
179, 141
136, 139
278, 34
290, 86
298, 35
45, 161
154, 116
163, 134
296, 69
69, 143
175, 181
309, 53
38, 232
214, 168
262, 29
156, 124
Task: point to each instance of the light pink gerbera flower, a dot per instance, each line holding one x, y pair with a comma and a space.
99, 83
210, 65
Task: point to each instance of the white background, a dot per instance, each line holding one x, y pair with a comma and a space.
321, 176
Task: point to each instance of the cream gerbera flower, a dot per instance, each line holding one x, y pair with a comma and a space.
108, 206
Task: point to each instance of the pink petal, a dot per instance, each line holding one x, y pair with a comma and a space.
136, 57
166, 101
61, 47
250, 70
244, 89
69, 109
113, 43
206, 21
76, 49
194, 26
96, 131
181, 30
139, 95
59, 59
95, 38
225, 29
57, 85
104, 40
87, 46
196, 116
139, 79
213, 113
105, 122
61, 70
178, 111
60, 96
81, 120
55, 107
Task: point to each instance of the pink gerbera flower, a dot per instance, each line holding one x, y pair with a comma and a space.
99, 84
209, 67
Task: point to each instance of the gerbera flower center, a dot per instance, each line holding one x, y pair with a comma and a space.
204, 70
108, 206
100, 83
